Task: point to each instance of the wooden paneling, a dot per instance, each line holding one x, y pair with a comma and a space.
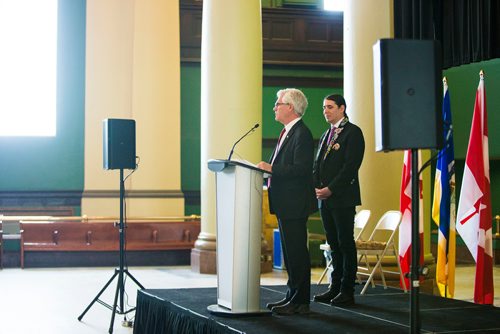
75, 243
104, 236
302, 37
190, 31
290, 36
317, 82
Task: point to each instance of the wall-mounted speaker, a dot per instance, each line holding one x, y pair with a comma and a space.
408, 94
118, 144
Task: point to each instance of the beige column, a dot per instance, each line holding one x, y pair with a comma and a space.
133, 71
156, 107
231, 102
380, 176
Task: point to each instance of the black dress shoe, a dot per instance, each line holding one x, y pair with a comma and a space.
343, 299
278, 303
289, 309
327, 296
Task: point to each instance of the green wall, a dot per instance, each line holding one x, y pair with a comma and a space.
55, 163
462, 86
190, 135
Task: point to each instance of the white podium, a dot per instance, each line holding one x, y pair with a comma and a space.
239, 228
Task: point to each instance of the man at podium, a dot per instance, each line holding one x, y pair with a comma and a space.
292, 198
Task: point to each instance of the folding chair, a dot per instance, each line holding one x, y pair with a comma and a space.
380, 244
360, 222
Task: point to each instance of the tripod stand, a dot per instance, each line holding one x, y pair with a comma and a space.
121, 272
415, 247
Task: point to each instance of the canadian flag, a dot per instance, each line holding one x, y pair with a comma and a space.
474, 218
405, 227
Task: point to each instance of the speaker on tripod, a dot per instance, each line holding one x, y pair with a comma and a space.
408, 98
118, 153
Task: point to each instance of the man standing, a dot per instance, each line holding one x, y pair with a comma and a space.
336, 166
291, 197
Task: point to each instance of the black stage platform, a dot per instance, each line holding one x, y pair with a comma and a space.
380, 310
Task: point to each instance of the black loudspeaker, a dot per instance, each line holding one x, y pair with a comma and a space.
408, 94
118, 144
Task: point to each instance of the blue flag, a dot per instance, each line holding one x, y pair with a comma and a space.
443, 206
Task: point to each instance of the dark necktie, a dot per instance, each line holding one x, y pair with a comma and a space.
279, 139
330, 135
276, 150
278, 145
329, 139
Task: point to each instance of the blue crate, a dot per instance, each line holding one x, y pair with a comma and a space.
278, 261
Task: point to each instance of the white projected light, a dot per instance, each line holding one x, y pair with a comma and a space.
334, 5
28, 67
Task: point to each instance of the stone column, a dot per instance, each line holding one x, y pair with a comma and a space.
231, 102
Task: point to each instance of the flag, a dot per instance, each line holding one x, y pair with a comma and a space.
474, 218
443, 205
405, 227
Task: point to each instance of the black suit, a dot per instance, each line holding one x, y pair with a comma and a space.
292, 200
338, 171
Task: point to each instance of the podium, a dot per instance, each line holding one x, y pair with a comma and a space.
239, 228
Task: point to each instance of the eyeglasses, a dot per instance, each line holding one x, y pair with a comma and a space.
277, 104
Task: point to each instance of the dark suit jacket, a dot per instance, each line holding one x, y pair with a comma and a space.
339, 170
291, 194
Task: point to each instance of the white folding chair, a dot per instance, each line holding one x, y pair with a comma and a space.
380, 244
360, 223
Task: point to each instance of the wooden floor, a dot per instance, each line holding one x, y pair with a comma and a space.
50, 300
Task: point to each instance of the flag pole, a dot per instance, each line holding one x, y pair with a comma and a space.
497, 218
415, 246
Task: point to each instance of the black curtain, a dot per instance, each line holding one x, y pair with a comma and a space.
468, 30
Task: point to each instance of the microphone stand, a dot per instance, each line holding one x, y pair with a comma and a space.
232, 149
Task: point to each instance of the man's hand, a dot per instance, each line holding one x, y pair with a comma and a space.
265, 166
323, 193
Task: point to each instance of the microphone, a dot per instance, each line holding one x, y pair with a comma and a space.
246, 134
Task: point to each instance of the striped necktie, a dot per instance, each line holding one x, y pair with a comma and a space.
330, 135
327, 142
278, 145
